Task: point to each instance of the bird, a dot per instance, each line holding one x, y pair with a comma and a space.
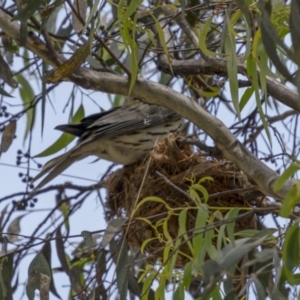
122, 135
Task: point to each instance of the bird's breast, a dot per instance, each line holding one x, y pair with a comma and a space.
129, 148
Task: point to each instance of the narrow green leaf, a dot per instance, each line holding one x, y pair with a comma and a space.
263, 60
248, 37
60, 250
167, 249
289, 172
270, 40
173, 261
208, 242
233, 255
291, 199
44, 98
246, 233
230, 227
260, 289
38, 266
215, 294
187, 275
231, 62
6, 276
6, 73
291, 251
46, 250
246, 97
182, 228
134, 56
212, 273
122, 269
64, 208
26, 8
221, 239
65, 138
179, 293
130, 10
91, 15
201, 219
202, 38
198, 240
162, 40
27, 95
294, 28
202, 190
257, 98
160, 291
127, 31
147, 285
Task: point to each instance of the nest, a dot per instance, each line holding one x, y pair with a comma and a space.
167, 173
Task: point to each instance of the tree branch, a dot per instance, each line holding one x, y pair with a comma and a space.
216, 65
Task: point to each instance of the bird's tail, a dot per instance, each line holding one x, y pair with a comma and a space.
54, 167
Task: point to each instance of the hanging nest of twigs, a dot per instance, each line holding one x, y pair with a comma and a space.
167, 174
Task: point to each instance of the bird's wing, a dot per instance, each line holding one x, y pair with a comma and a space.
119, 121
79, 128
127, 120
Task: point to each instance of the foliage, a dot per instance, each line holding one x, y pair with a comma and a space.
210, 61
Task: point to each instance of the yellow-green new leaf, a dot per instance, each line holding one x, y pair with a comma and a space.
125, 13
290, 171
202, 38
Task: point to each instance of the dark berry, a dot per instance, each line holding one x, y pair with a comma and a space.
21, 174
4, 108
26, 155
31, 186
34, 200
19, 152
6, 115
24, 180
1, 114
31, 205
39, 165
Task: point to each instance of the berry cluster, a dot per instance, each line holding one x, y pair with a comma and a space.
3, 112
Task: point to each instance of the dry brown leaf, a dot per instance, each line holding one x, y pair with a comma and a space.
70, 66
8, 135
